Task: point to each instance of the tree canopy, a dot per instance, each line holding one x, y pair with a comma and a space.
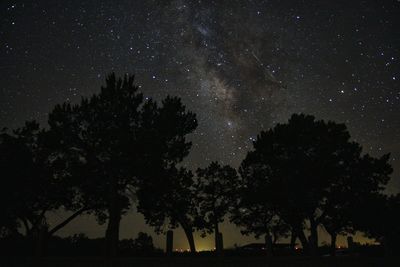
31, 189
214, 187
111, 142
300, 167
117, 149
169, 201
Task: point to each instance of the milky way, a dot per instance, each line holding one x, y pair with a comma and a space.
242, 66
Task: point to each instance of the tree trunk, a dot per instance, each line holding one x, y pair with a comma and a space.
190, 238
293, 238
303, 239
333, 244
170, 243
112, 232
268, 244
313, 238
40, 239
216, 236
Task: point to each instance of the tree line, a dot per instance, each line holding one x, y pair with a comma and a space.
116, 149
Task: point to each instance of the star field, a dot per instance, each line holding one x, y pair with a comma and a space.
242, 66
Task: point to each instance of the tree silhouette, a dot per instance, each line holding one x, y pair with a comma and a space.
305, 161
143, 244
257, 203
94, 144
376, 216
111, 141
32, 188
359, 179
20, 173
215, 185
169, 200
165, 191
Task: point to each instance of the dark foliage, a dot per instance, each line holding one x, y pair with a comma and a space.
30, 187
168, 201
110, 143
307, 173
215, 186
115, 149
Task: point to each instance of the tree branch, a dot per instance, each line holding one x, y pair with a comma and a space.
26, 225
67, 220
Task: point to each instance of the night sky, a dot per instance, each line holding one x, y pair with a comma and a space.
242, 66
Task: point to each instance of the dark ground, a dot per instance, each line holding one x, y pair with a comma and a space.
213, 262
